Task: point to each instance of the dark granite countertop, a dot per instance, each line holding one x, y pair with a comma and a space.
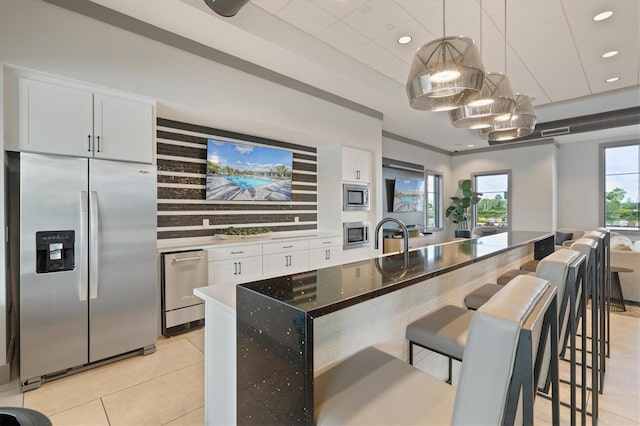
327, 290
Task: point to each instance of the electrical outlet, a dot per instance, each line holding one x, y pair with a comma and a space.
296, 219
205, 223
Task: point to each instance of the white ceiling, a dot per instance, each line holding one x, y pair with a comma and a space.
349, 48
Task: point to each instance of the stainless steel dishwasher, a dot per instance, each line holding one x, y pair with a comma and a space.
181, 273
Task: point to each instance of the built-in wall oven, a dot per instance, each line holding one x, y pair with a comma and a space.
356, 234
355, 197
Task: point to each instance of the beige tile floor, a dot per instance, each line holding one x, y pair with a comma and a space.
166, 388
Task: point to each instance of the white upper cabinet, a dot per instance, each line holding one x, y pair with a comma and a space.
123, 129
54, 119
356, 165
69, 119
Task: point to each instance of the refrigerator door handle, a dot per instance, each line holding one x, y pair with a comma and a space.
94, 245
84, 221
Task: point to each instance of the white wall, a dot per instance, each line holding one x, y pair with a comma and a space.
431, 160
43, 37
578, 185
533, 181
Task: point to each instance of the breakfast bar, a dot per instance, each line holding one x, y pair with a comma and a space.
291, 328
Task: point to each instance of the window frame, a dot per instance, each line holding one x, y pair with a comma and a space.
602, 183
474, 213
438, 201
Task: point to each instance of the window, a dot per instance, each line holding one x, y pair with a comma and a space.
494, 208
621, 182
434, 200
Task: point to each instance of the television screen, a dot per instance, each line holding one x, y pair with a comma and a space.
408, 195
239, 172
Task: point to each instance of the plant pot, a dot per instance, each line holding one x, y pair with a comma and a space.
462, 233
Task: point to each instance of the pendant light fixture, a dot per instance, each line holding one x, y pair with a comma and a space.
445, 73
496, 100
521, 121
521, 124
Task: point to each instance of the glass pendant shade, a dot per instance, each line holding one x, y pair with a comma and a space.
521, 124
445, 73
496, 100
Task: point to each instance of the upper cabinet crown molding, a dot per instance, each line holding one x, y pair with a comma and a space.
58, 116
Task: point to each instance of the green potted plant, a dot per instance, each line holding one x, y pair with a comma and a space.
460, 209
233, 233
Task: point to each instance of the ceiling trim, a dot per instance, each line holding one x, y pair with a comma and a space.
144, 29
524, 144
414, 142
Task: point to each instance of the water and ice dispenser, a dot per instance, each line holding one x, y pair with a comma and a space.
55, 251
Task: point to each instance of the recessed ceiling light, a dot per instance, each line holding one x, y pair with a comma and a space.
610, 54
470, 145
404, 39
612, 79
603, 15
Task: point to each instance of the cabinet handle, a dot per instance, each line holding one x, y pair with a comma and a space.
98, 140
327, 255
237, 252
326, 242
287, 246
239, 268
235, 268
357, 174
88, 143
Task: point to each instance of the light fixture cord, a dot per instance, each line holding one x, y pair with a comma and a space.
505, 37
444, 33
444, 28
481, 42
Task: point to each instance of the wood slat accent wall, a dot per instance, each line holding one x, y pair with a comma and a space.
182, 155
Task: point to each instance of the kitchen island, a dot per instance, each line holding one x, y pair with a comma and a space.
288, 329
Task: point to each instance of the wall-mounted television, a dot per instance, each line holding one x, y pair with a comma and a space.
243, 172
408, 195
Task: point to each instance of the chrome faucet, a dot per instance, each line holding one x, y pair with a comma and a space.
405, 233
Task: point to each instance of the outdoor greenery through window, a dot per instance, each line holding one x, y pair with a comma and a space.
493, 207
621, 183
434, 200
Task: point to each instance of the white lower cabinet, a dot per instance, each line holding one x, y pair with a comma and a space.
235, 264
284, 258
325, 252
237, 271
241, 263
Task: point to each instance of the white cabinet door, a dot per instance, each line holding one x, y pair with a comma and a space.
325, 257
286, 263
356, 165
123, 129
240, 270
54, 119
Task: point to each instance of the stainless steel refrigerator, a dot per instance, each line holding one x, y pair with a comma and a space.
83, 261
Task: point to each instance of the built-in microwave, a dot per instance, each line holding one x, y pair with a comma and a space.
355, 197
356, 234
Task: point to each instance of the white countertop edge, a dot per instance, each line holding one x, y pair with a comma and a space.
223, 295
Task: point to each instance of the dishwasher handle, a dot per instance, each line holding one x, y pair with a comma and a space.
184, 259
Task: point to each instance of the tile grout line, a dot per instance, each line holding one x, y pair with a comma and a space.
184, 415
153, 378
105, 411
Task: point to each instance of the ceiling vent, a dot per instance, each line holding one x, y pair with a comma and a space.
585, 123
226, 8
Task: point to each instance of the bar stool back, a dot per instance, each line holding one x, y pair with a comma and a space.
497, 383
